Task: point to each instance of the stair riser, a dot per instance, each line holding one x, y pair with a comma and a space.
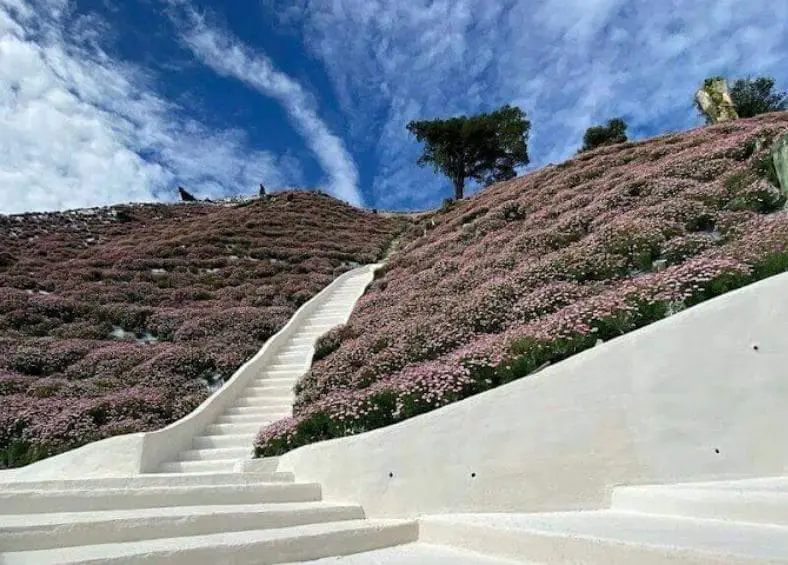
213, 454
261, 411
715, 505
197, 467
151, 480
232, 429
271, 391
252, 401
537, 547
128, 529
84, 501
246, 419
211, 442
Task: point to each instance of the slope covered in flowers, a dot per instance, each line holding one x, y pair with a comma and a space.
124, 319
533, 270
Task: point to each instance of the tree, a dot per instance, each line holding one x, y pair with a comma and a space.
753, 96
485, 147
614, 132
749, 96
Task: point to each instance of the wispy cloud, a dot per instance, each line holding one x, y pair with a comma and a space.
79, 128
228, 56
569, 64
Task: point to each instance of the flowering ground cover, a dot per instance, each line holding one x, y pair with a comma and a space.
124, 319
533, 270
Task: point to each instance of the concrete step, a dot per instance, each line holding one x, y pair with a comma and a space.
263, 411
327, 317
285, 367
281, 391
604, 537
743, 505
83, 500
413, 554
232, 429
230, 440
297, 543
274, 382
22, 532
281, 402
211, 454
318, 328
216, 466
150, 480
300, 340
245, 419
775, 483
268, 373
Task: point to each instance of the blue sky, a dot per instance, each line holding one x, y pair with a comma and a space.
108, 101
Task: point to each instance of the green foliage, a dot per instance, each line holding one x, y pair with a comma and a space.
751, 96
597, 136
754, 96
485, 147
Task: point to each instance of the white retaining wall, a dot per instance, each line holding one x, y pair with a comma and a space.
687, 398
132, 454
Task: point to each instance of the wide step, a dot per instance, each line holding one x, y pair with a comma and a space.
253, 547
29, 502
23, 532
413, 554
150, 480
744, 505
605, 537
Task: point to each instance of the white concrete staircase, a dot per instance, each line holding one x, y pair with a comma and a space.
269, 395
212, 505
731, 522
183, 519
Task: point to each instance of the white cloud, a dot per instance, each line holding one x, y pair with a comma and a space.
229, 57
569, 64
74, 124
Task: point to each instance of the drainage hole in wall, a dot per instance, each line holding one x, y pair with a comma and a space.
473, 475
716, 451
391, 475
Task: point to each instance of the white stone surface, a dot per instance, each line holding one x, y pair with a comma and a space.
604, 537
688, 398
413, 554
254, 547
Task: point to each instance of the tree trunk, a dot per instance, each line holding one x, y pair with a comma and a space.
459, 185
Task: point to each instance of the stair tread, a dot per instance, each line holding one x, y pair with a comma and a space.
753, 484
40, 519
414, 554
146, 480
234, 541
704, 536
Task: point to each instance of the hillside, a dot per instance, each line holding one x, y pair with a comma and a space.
533, 270
124, 319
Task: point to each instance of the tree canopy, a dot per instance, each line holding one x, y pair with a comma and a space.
753, 96
614, 132
485, 147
